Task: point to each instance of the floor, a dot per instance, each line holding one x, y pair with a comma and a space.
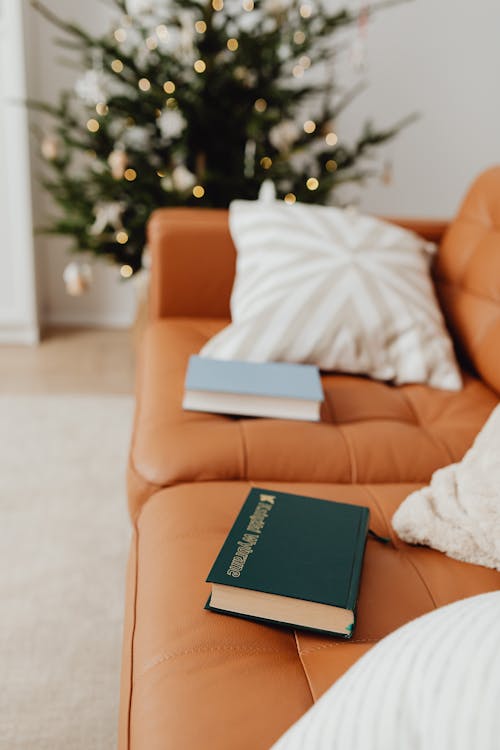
66, 414
70, 361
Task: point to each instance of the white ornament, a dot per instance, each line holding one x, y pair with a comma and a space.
267, 192
182, 178
171, 123
283, 135
50, 147
77, 278
118, 161
137, 138
167, 184
92, 87
187, 32
107, 214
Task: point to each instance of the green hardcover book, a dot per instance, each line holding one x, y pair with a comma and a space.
292, 560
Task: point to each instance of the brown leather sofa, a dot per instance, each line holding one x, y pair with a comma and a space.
194, 679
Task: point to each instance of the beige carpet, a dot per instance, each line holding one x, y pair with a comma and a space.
63, 544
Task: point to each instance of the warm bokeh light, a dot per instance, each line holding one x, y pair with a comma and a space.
93, 125
126, 271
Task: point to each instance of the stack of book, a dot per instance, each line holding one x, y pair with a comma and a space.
269, 389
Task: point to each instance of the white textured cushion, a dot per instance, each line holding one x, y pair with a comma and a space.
459, 513
336, 289
434, 684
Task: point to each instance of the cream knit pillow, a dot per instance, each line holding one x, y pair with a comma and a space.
434, 684
336, 289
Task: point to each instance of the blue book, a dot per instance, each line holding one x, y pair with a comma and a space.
258, 389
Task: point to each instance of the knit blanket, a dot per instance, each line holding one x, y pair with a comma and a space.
459, 512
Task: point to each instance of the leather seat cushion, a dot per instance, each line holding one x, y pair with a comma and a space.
369, 432
193, 678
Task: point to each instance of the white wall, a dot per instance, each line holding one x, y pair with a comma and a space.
110, 301
441, 59
18, 314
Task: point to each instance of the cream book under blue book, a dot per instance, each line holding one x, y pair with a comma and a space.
258, 389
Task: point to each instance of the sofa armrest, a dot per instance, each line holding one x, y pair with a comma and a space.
194, 259
193, 263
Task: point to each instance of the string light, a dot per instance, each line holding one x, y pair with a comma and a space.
331, 139
248, 5
331, 165
312, 183
200, 27
305, 61
171, 102
217, 4
260, 105
198, 191
290, 198
232, 44
102, 109
266, 162
162, 32
299, 37
120, 35
117, 66
297, 71
161, 173
121, 237
309, 126
93, 125
144, 84
305, 11
200, 66
169, 87
130, 174
126, 271
151, 43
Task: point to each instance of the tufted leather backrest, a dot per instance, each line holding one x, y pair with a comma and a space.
468, 276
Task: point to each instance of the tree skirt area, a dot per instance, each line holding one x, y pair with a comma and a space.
64, 537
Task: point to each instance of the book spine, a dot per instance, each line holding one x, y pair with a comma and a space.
361, 536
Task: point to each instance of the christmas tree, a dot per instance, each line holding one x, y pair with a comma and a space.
189, 102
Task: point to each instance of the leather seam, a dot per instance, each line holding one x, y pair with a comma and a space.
132, 639
349, 642
459, 287
299, 656
424, 428
350, 453
244, 450
250, 651
399, 547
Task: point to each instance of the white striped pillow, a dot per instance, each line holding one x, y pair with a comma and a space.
337, 289
434, 684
